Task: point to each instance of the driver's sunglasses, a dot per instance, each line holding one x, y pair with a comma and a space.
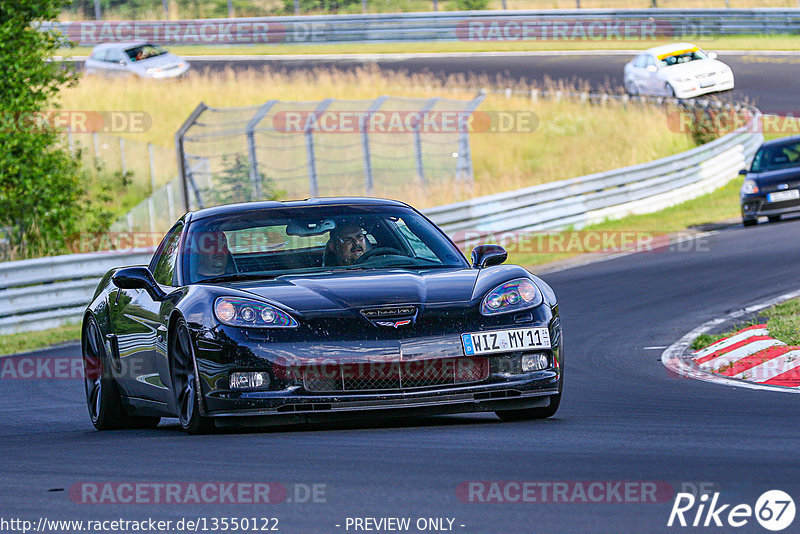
354, 239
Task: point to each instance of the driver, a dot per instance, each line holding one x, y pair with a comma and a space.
347, 243
213, 254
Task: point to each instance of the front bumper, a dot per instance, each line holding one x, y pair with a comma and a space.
693, 88
755, 206
502, 387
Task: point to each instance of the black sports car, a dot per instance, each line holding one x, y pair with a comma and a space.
290, 312
772, 184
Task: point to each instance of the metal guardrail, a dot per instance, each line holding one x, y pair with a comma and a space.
606, 195
516, 25
47, 292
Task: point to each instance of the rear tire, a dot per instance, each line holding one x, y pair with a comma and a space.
102, 395
774, 218
531, 413
186, 383
631, 89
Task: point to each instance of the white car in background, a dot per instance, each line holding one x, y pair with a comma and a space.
140, 59
679, 70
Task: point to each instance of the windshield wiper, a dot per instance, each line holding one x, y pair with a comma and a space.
237, 277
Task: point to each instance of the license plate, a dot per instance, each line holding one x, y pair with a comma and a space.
505, 340
780, 196
706, 84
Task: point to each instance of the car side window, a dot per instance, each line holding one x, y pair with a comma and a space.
639, 62
166, 257
115, 56
649, 61
99, 55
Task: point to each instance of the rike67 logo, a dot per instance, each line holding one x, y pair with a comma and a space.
774, 510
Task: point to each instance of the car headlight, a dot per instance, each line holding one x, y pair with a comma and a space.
236, 311
511, 296
749, 187
153, 70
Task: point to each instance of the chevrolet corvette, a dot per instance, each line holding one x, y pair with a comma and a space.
269, 313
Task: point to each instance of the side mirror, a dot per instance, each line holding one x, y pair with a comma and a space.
743, 172
138, 278
123, 62
712, 55
488, 255
652, 68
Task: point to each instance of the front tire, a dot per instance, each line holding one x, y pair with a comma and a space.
185, 382
102, 395
669, 90
749, 222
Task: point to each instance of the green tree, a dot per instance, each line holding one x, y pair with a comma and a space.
233, 184
41, 196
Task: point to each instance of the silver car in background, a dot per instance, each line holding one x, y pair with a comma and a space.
143, 60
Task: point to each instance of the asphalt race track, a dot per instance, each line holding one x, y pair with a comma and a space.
768, 81
623, 418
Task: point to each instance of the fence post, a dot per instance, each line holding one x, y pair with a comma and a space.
296, 7
255, 176
435, 5
369, 180
171, 201
464, 161
122, 155
313, 184
151, 211
179, 147
418, 139
70, 141
95, 146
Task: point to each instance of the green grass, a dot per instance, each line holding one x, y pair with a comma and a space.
704, 340
783, 323
716, 206
733, 42
27, 341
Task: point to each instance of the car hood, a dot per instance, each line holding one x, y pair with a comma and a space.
693, 68
348, 290
790, 177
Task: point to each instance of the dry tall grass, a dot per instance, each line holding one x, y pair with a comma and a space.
571, 138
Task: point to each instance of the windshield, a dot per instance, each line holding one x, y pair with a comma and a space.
282, 241
139, 53
776, 157
678, 57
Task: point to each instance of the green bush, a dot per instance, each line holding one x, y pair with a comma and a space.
41, 193
471, 5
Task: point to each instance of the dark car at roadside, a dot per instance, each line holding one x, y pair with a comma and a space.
771, 185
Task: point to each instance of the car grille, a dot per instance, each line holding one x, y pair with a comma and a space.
396, 375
